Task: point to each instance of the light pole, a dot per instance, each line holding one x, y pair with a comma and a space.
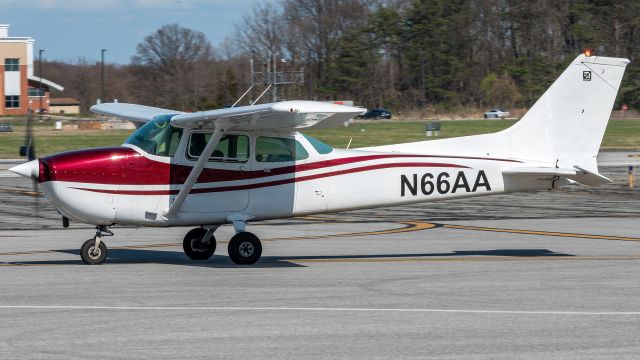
102, 75
40, 91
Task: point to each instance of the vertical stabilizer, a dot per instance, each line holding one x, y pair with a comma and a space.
566, 125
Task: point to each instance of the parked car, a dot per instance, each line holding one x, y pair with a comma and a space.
376, 114
496, 114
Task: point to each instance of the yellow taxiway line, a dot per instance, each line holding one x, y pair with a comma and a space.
410, 226
544, 233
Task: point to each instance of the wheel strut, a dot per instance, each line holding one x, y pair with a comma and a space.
101, 230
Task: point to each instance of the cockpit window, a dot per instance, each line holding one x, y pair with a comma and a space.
320, 147
157, 137
275, 149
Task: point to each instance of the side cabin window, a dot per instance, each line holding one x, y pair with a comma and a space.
157, 137
320, 147
231, 148
277, 149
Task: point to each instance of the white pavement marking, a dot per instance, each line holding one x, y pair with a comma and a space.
318, 309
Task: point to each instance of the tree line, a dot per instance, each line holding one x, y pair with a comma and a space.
399, 54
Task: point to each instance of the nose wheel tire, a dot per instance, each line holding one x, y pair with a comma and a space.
195, 248
244, 248
92, 255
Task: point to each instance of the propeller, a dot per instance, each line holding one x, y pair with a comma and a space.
29, 150
29, 147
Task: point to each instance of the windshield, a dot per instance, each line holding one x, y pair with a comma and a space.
157, 137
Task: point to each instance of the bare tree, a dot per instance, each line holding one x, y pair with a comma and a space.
169, 63
263, 30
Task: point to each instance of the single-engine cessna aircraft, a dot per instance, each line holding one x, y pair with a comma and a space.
250, 163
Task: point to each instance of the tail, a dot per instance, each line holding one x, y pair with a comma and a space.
566, 125
563, 130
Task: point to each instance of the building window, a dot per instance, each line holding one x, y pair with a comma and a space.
11, 64
36, 92
12, 101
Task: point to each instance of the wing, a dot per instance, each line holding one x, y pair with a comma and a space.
283, 115
131, 112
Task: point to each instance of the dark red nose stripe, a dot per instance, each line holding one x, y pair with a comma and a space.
279, 182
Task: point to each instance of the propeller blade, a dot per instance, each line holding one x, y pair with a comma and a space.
29, 147
36, 191
30, 169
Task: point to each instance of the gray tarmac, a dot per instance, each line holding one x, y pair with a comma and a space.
543, 275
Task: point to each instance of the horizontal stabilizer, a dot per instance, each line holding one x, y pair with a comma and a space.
576, 174
539, 171
590, 178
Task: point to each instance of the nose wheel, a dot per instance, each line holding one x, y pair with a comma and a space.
94, 251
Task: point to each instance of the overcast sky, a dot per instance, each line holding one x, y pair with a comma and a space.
71, 29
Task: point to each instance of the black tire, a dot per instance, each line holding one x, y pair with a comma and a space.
245, 248
194, 248
89, 256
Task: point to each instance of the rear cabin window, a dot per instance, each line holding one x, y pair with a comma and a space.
276, 149
320, 147
231, 148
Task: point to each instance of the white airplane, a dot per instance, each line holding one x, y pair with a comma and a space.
250, 163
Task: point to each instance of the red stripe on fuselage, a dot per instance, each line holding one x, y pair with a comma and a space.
125, 166
276, 182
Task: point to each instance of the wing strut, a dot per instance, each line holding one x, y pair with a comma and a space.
195, 173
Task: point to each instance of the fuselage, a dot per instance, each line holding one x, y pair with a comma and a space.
260, 175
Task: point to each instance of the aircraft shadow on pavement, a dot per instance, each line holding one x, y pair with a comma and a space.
456, 253
150, 256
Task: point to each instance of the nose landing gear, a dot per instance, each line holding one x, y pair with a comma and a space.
94, 251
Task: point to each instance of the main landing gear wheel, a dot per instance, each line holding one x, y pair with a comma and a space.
195, 248
244, 248
91, 254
